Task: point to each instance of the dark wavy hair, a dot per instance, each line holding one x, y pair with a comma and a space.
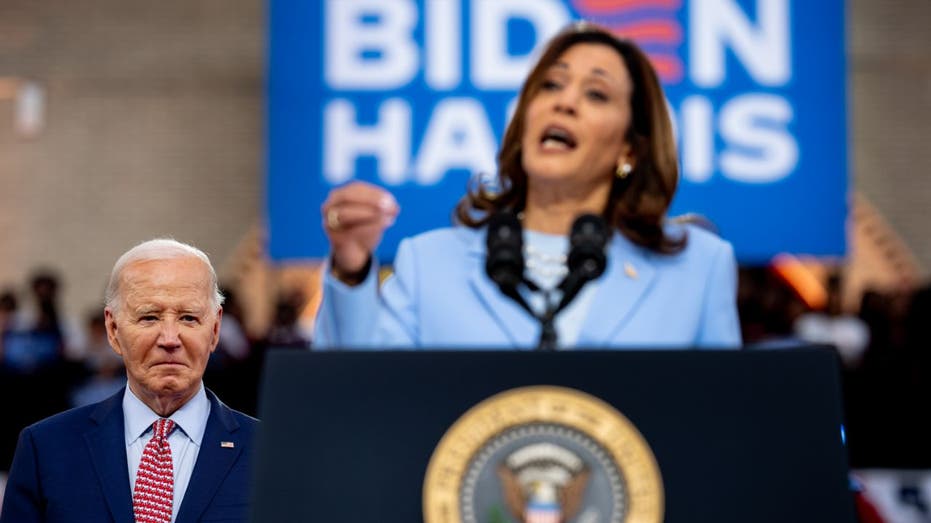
637, 204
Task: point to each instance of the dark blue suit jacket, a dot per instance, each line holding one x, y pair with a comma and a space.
72, 468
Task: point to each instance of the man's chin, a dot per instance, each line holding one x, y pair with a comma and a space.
172, 386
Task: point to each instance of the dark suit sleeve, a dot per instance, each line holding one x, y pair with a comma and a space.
22, 501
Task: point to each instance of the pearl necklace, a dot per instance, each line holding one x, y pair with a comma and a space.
544, 265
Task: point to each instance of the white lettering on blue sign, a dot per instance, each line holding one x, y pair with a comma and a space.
458, 137
413, 93
369, 44
493, 67
443, 47
388, 140
757, 144
759, 148
697, 139
763, 48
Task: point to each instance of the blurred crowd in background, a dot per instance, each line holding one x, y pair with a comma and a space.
50, 362
882, 343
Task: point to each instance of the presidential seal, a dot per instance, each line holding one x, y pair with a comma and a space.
543, 455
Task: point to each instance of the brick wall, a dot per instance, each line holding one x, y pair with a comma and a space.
153, 126
889, 53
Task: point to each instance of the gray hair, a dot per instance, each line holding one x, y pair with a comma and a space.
158, 249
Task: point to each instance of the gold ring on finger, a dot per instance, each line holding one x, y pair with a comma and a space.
332, 219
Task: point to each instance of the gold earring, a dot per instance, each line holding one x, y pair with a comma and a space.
623, 169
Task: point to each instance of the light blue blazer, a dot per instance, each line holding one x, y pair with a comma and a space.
440, 297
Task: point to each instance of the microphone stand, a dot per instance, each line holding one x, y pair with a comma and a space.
586, 261
570, 285
505, 266
547, 320
548, 327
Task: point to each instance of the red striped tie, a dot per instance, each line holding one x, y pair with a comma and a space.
155, 483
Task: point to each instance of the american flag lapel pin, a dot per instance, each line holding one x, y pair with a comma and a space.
227, 444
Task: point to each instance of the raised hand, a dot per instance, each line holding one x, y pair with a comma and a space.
355, 217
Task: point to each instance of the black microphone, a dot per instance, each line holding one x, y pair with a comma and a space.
504, 261
587, 259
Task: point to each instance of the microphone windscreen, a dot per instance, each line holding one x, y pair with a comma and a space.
587, 241
504, 261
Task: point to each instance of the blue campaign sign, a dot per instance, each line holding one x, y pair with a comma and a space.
414, 95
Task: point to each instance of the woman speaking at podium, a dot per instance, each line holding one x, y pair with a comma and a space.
591, 134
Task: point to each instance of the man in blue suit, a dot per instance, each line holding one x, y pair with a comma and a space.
94, 463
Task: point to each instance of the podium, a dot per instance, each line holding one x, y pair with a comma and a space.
730, 436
